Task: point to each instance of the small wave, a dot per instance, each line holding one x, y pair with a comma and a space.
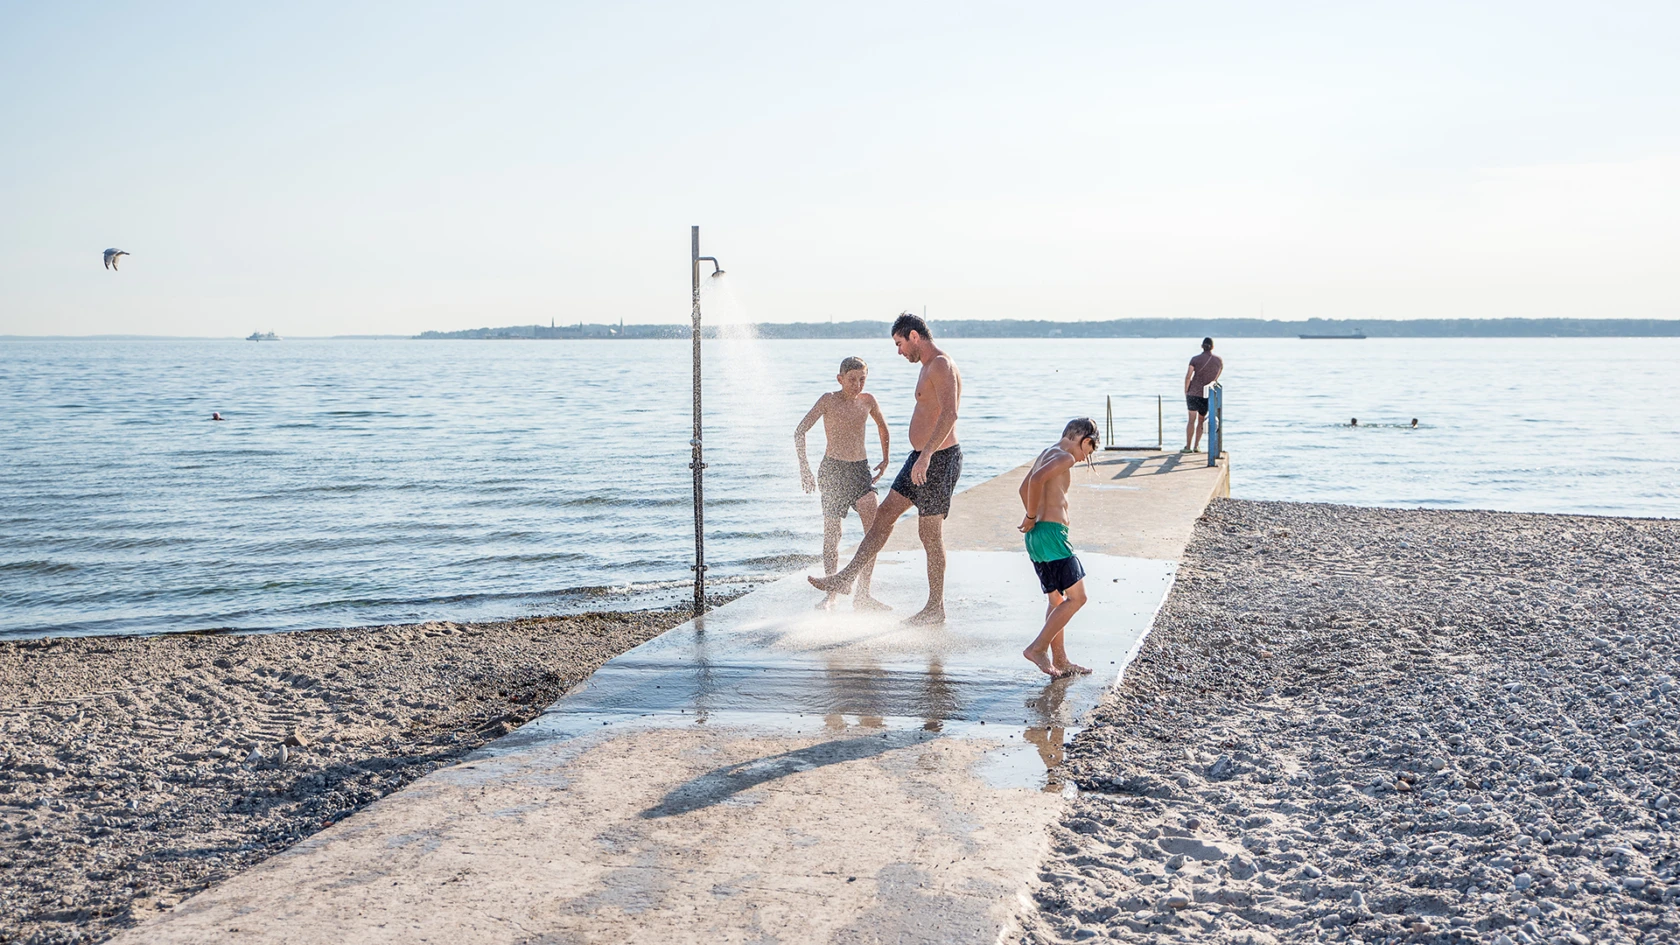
36, 567
783, 562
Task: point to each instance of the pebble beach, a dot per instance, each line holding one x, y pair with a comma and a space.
136, 771
1372, 725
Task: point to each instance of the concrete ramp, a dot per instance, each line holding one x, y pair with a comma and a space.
767, 773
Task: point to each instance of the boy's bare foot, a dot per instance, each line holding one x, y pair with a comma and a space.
862, 602
926, 617
1042, 661
827, 603
1074, 669
836, 583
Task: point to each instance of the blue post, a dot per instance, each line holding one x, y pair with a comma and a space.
1216, 422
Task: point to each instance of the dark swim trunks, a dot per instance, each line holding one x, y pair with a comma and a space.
1198, 404
842, 484
932, 497
1057, 566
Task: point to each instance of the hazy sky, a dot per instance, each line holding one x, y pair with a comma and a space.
318, 169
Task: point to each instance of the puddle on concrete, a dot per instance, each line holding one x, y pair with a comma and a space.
771, 662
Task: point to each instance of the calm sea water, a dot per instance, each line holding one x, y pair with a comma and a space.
359, 482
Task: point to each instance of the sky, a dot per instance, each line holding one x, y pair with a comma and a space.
343, 168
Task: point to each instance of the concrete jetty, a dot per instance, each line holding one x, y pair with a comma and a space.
768, 772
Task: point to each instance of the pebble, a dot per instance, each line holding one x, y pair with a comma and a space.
1177, 902
1522, 881
1311, 872
256, 755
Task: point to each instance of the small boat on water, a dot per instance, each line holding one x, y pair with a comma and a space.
1355, 335
262, 336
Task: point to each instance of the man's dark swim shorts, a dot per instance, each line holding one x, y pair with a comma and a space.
842, 484
932, 497
1198, 404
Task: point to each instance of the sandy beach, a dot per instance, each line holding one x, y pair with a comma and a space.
136, 771
1380, 726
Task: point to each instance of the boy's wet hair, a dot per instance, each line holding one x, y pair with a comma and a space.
907, 323
1082, 427
853, 364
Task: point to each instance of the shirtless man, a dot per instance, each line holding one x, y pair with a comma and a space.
1044, 494
930, 471
845, 476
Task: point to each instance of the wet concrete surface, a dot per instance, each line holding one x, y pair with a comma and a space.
771, 661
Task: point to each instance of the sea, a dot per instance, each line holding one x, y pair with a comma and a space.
360, 482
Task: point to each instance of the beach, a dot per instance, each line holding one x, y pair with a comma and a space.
136, 771
1347, 724
1375, 725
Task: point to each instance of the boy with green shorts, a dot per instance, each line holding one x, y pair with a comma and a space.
1044, 494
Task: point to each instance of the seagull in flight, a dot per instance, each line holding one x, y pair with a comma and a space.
112, 257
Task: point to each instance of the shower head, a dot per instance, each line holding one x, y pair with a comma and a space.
718, 273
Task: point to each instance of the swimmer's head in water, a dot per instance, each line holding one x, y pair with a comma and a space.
1354, 422
1414, 423
853, 374
1207, 344
1083, 431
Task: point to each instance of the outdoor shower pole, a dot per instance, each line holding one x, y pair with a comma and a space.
696, 463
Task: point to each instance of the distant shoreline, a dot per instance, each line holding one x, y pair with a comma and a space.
1020, 328
1121, 328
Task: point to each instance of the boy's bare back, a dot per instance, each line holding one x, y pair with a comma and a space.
1053, 507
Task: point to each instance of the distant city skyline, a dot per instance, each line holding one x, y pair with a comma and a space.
322, 170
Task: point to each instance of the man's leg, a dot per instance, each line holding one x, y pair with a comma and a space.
830, 554
1189, 431
1201, 424
873, 541
932, 531
1075, 597
862, 600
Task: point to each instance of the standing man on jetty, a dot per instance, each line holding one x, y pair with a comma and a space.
930, 472
1204, 369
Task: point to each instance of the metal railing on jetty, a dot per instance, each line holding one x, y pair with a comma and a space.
1160, 428
1215, 425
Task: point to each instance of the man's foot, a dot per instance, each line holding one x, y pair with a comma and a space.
1074, 669
926, 617
1042, 661
836, 583
1187, 450
865, 602
827, 603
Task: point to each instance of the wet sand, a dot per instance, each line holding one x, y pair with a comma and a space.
1382, 726
136, 771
